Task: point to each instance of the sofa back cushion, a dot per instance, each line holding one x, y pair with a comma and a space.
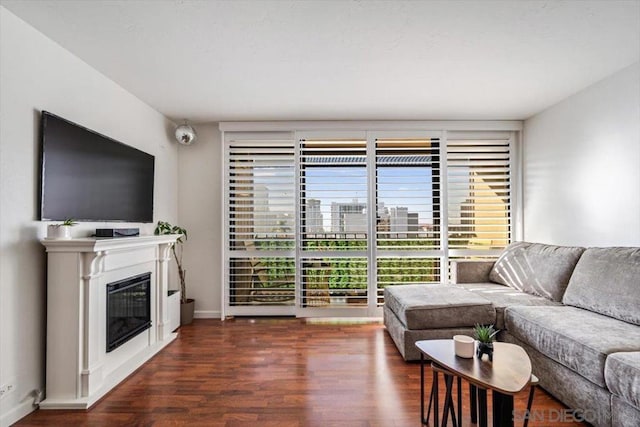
607, 281
537, 269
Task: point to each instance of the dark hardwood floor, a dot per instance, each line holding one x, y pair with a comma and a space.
271, 372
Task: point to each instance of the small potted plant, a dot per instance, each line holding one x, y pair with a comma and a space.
61, 231
186, 304
485, 335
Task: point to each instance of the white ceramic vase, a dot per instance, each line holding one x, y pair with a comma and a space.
59, 232
464, 346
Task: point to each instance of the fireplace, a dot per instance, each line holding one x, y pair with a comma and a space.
82, 323
128, 309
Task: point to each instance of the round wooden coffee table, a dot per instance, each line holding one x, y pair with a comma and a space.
508, 374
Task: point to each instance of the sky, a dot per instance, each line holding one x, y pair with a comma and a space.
400, 186
397, 187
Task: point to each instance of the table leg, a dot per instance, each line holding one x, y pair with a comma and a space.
482, 407
529, 402
473, 402
459, 402
445, 410
448, 402
425, 419
502, 410
435, 398
422, 418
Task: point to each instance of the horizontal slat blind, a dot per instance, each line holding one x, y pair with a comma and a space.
479, 193
333, 195
261, 195
333, 222
366, 210
406, 270
261, 217
261, 281
407, 173
408, 212
335, 281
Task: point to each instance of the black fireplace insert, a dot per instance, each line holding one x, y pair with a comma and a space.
128, 309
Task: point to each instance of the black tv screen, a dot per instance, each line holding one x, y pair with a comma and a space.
90, 177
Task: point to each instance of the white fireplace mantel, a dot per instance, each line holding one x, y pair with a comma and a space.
79, 370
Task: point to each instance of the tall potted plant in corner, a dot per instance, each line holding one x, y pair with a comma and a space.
186, 304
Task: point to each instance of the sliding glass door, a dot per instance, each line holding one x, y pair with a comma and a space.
260, 224
408, 246
334, 224
319, 223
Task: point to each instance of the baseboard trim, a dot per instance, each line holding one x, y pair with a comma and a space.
16, 414
207, 314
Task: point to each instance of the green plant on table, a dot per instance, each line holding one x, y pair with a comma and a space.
69, 222
163, 228
485, 333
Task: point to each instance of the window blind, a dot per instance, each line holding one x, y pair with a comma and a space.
333, 194
407, 173
330, 222
261, 217
334, 222
479, 193
408, 194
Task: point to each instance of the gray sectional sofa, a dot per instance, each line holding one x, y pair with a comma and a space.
575, 311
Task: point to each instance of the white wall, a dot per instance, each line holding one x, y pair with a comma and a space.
200, 212
582, 166
37, 74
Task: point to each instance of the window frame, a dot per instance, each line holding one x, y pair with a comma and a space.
390, 129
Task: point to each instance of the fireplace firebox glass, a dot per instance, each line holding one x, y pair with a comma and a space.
128, 309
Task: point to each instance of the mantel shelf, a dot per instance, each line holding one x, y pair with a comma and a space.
99, 244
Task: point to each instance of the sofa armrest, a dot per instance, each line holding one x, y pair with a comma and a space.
466, 271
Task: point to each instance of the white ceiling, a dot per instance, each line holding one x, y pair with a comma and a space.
345, 60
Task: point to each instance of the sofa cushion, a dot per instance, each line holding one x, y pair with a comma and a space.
623, 414
503, 296
622, 375
437, 306
576, 338
470, 271
537, 269
607, 281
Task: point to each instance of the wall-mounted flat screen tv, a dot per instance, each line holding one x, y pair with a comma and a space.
90, 177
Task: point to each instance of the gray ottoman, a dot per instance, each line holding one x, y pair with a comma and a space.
422, 312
